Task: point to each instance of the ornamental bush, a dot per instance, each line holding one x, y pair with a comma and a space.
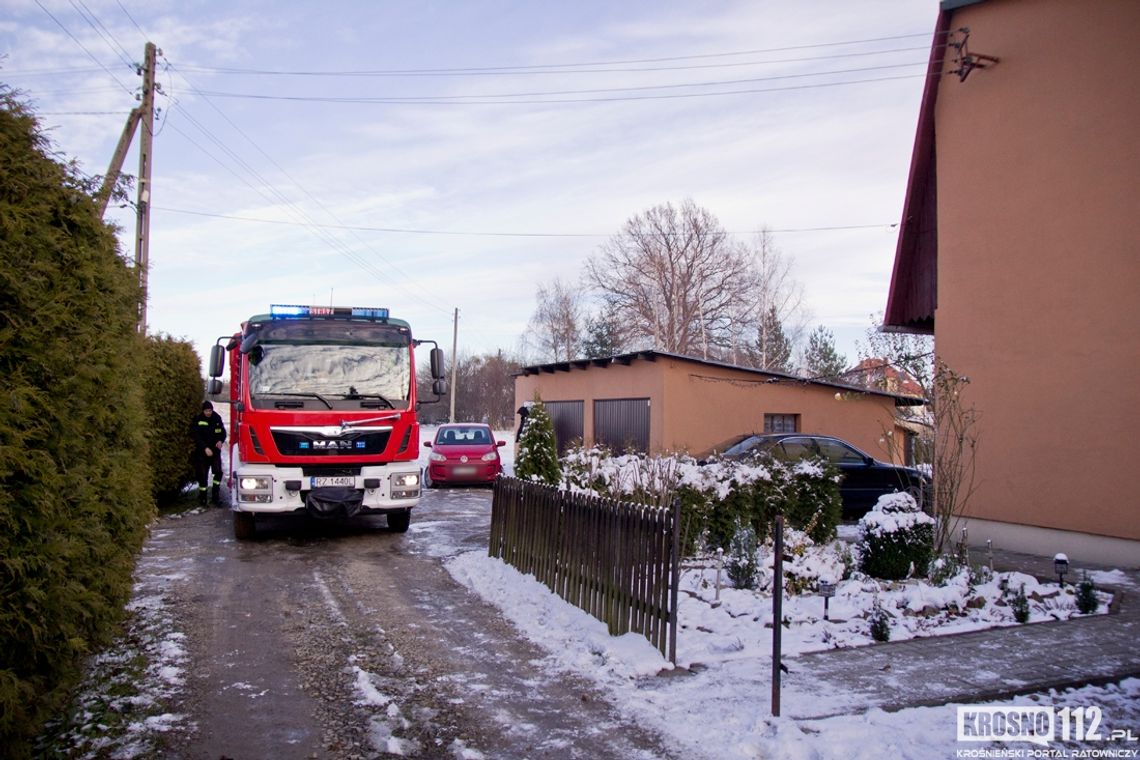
75, 490
1087, 602
896, 538
537, 457
742, 565
880, 623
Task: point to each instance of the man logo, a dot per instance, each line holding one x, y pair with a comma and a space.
332, 445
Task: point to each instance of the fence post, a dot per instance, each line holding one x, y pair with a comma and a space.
675, 559
777, 611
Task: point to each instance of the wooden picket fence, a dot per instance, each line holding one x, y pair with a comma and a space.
620, 562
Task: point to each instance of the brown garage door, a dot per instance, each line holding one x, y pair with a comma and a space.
622, 424
567, 419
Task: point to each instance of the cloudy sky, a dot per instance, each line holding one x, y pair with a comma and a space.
428, 156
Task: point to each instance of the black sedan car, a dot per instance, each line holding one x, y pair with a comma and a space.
864, 479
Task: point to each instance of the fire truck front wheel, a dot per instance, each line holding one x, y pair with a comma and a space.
244, 526
398, 522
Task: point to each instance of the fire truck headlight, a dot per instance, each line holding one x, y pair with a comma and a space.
405, 485
406, 480
251, 483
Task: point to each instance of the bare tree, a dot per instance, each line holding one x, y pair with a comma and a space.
770, 323
676, 279
556, 323
956, 437
485, 389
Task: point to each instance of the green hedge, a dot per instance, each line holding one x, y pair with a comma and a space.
75, 491
173, 388
719, 496
806, 493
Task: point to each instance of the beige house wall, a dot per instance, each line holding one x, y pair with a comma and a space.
1038, 184
695, 406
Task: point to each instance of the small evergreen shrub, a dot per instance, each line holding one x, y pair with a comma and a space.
1020, 606
896, 539
1087, 602
537, 457
742, 566
880, 623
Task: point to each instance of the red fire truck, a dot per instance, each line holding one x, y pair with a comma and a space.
323, 414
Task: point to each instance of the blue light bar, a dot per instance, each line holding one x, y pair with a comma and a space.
281, 311
293, 311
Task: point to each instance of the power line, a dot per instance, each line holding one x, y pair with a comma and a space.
443, 101
83, 47
477, 71
308, 221
639, 88
564, 68
126, 13
473, 233
105, 34
82, 113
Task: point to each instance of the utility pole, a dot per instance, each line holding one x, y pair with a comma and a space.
112, 176
142, 234
142, 114
454, 350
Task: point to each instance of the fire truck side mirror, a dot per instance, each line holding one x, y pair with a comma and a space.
217, 360
439, 387
213, 387
437, 371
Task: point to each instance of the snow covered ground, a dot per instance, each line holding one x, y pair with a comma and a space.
724, 711
719, 708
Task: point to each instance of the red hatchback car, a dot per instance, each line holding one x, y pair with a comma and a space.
464, 454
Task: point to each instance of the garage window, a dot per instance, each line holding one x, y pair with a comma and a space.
781, 423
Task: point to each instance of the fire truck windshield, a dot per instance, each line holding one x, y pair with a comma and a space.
334, 376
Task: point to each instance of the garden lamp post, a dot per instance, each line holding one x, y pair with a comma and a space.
826, 590
1061, 565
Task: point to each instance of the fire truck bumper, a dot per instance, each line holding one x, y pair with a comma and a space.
283, 489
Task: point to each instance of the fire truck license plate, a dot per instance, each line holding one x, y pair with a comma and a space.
341, 480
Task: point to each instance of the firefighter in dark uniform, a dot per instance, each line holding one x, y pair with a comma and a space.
209, 434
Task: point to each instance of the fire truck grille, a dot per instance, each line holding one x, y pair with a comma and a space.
301, 444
